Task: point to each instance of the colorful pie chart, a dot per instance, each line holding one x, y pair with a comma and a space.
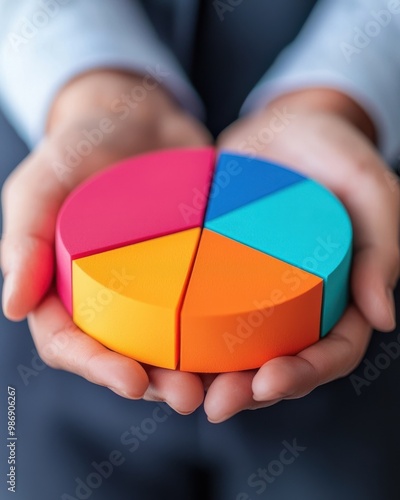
184, 261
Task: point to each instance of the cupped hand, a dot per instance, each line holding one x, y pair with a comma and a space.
32, 196
328, 137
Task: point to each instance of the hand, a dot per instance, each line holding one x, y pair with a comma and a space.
327, 137
31, 198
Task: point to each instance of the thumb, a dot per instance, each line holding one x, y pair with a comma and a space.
31, 198
27, 263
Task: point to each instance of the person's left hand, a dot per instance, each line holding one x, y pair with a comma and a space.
326, 136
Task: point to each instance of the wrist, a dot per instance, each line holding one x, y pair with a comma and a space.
328, 101
106, 92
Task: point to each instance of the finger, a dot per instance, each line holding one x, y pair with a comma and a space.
376, 250
27, 264
333, 357
373, 279
370, 193
31, 198
229, 394
62, 345
207, 379
183, 391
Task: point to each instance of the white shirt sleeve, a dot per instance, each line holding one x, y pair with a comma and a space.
352, 46
45, 43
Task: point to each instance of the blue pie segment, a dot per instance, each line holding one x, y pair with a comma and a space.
240, 180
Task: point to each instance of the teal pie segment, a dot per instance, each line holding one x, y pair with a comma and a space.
240, 180
304, 225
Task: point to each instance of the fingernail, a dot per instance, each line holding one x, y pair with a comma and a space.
391, 307
218, 421
221, 419
153, 399
263, 390
183, 412
121, 392
264, 404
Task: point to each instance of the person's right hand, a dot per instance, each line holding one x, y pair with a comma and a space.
31, 199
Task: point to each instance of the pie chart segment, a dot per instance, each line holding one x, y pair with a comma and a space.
129, 298
243, 307
305, 226
141, 198
239, 180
